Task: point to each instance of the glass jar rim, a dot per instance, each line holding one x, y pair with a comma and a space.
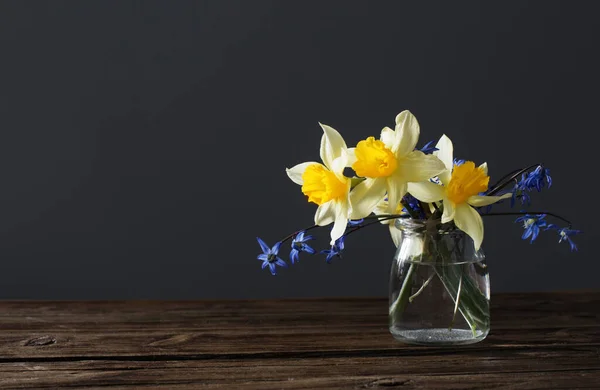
473, 260
421, 225
434, 230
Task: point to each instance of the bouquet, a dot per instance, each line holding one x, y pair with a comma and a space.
428, 199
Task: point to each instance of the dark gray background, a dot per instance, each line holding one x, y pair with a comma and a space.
143, 144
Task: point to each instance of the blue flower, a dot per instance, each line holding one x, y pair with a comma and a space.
336, 249
532, 225
299, 245
459, 162
355, 222
537, 179
414, 205
565, 235
521, 194
270, 257
436, 180
429, 148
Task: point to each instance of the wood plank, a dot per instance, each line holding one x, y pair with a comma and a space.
541, 340
101, 330
508, 310
104, 344
572, 368
570, 380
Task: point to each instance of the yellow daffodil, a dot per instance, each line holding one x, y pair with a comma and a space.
388, 164
459, 189
325, 184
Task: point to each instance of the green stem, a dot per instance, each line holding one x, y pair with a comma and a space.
456, 302
469, 301
503, 182
420, 290
472, 304
401, 301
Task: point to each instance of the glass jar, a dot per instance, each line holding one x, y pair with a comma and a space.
439, 286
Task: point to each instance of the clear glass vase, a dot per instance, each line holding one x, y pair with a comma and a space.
439, 286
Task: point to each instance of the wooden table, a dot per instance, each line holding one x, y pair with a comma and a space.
538, 340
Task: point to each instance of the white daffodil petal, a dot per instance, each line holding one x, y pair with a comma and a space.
418, 166
388, 137
347, 199
382, 208
396, 189
365, 196
407, 133
484, 167
338, 165
325, 213
449, 211
445, 152
351, 156
295, 173
332, 145
341, 221
445, 177
401, 117
426, 191
340, 162
479, 201
395, 233
469, 221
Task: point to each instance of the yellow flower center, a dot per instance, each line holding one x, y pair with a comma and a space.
466, 181
373, 159
321, 185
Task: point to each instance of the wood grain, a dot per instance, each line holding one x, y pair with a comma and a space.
538, 340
